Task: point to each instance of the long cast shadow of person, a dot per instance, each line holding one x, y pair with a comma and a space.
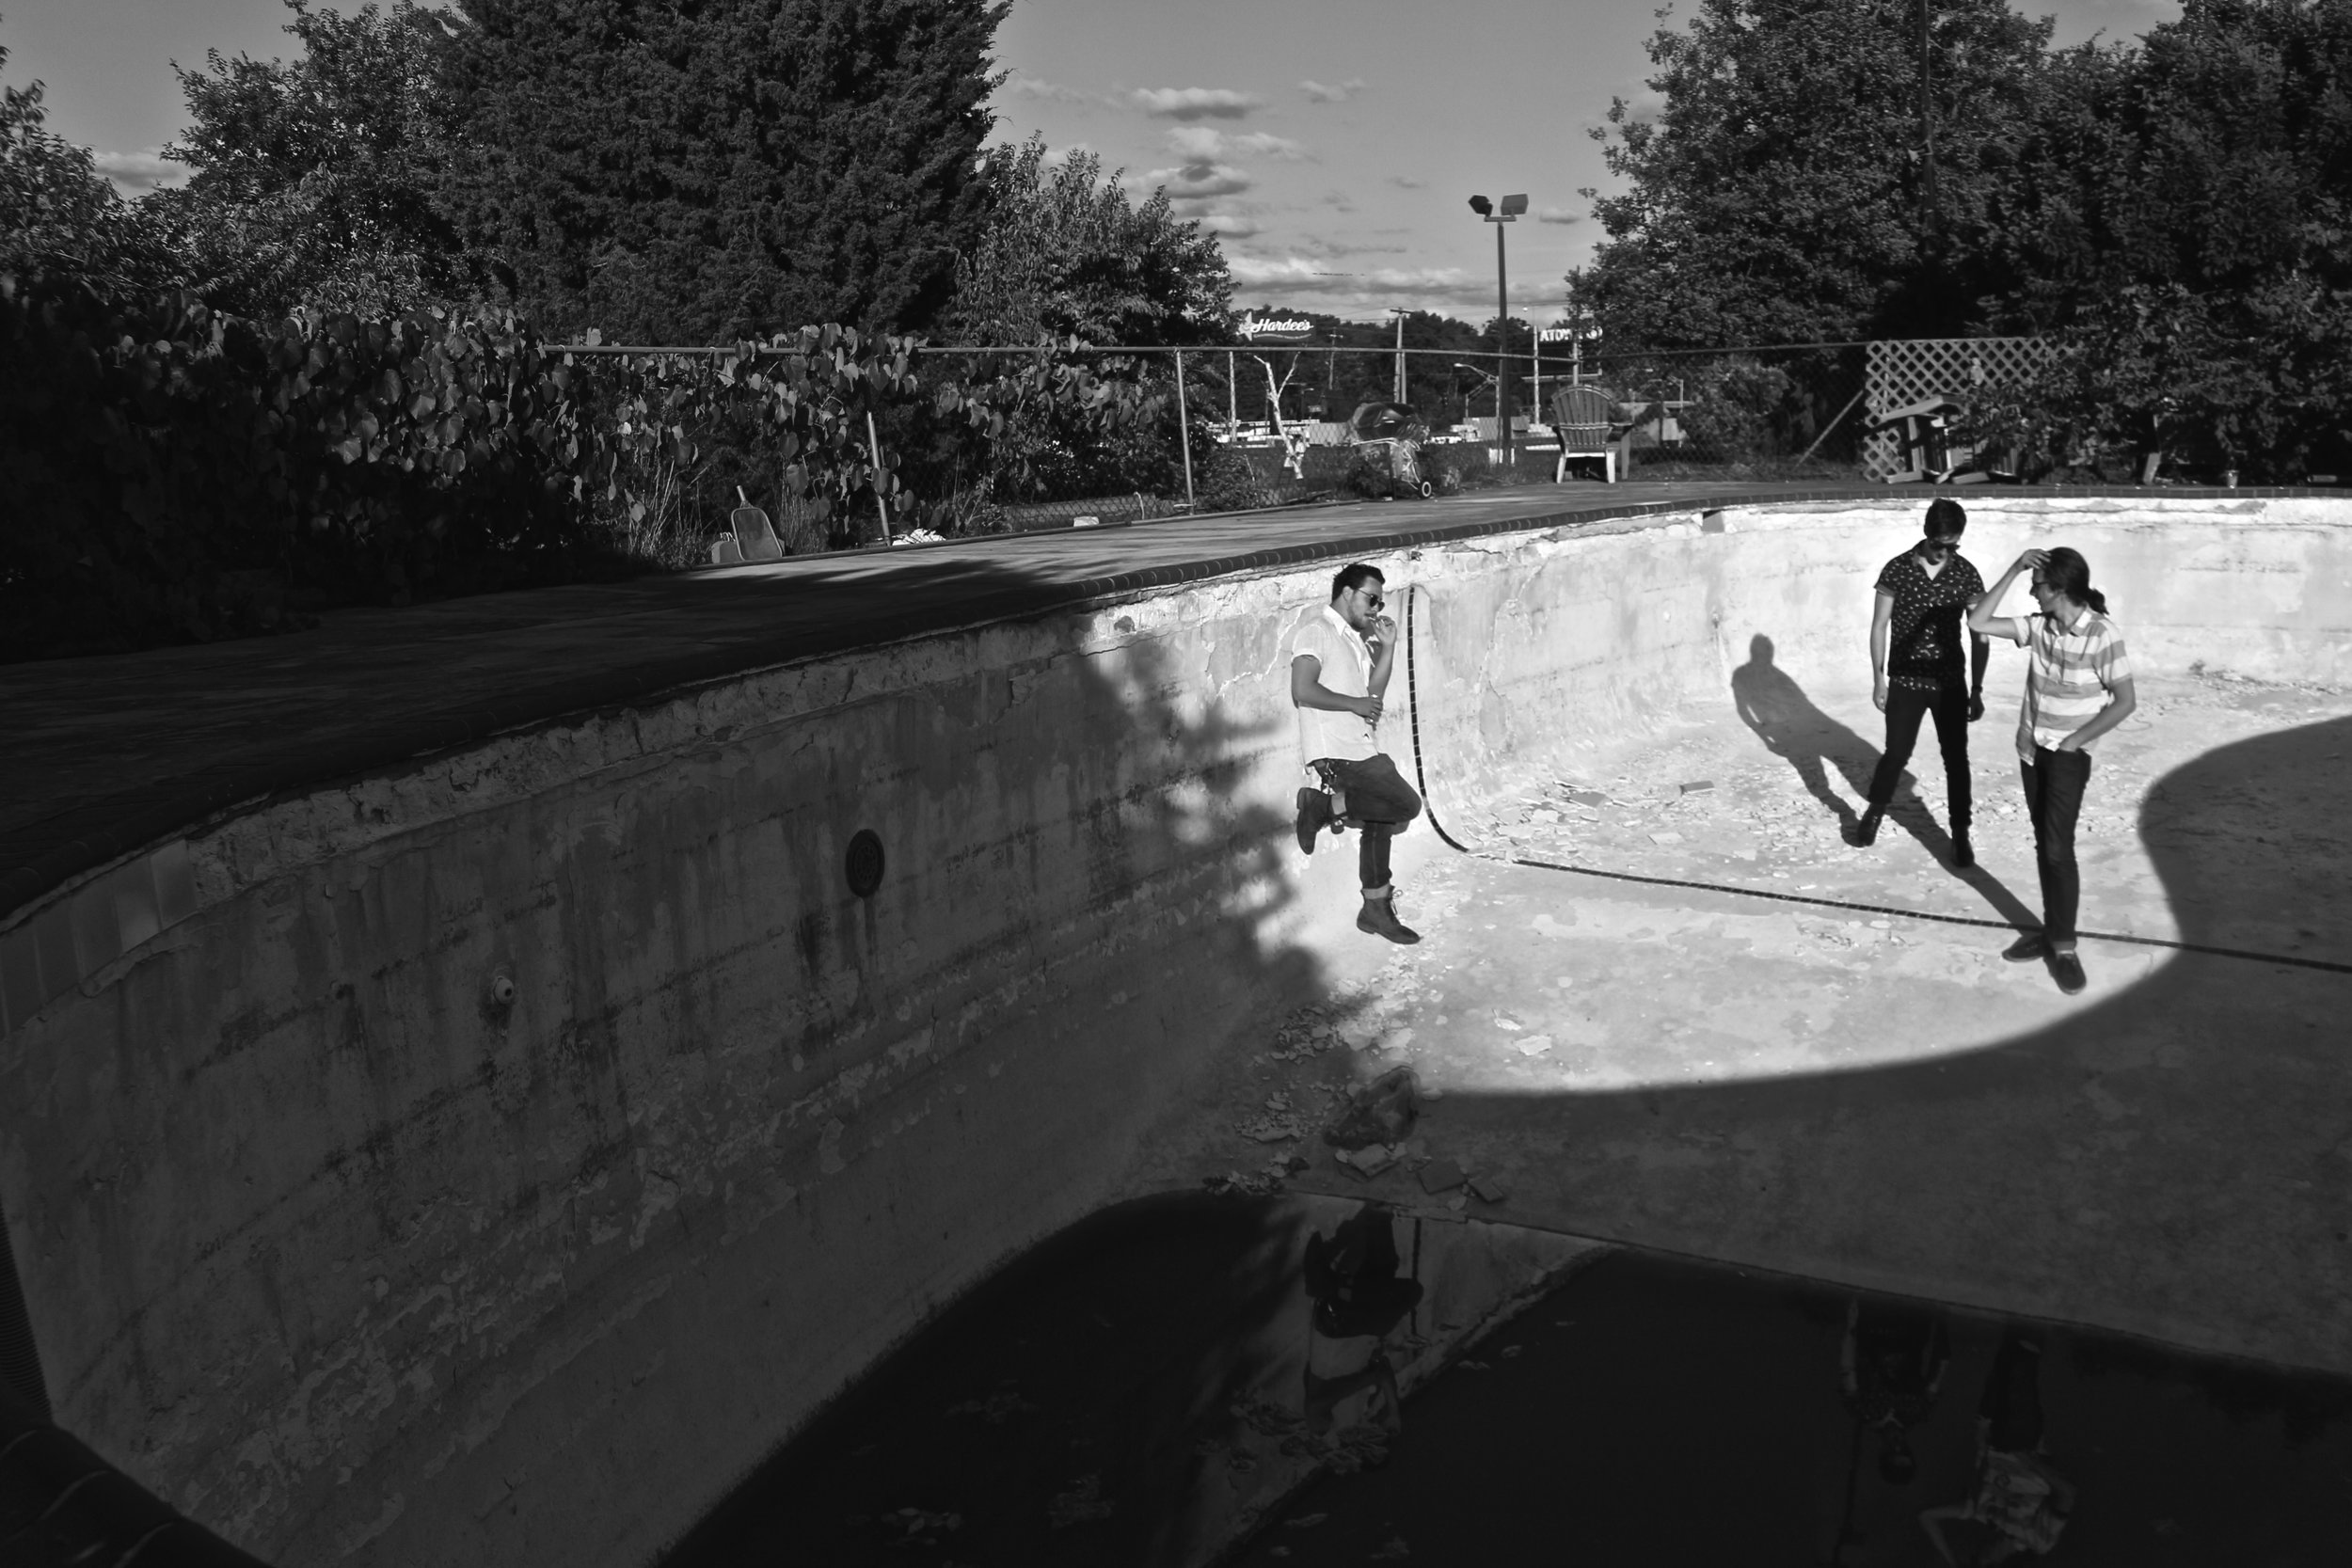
1771, 704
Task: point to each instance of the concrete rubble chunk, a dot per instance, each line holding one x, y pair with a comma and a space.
1487, 1189
1441, 1176
1381, 1112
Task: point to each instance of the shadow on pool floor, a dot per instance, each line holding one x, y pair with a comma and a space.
1083, 1407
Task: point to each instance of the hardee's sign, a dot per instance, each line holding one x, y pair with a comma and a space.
1253, 328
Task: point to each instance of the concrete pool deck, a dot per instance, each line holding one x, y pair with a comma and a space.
447, 1075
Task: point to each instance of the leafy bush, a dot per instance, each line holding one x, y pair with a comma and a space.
180, 473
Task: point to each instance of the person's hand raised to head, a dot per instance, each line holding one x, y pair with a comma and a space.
2031, 561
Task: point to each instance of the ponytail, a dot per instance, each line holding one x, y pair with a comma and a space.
2070, 573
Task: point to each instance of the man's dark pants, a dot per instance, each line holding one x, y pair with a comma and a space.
1905, 706
1380, 800
2054, 781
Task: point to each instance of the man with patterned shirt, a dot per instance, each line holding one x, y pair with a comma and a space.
2078, 687
1916, 667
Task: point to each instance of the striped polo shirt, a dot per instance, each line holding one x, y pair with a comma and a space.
2070, 676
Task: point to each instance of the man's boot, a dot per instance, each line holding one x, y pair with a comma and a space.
1314, 814
1865, 832
1964, 852
1378, 918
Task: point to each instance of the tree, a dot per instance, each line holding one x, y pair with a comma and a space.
316, 178
688, 171
1066, 254
1782, 196
2182, 224
57, 214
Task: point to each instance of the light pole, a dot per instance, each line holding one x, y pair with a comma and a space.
1400, 313
1512, 207
1497, 380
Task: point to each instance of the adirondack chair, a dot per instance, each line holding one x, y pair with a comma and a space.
753, 539
1930, 443
1586, 421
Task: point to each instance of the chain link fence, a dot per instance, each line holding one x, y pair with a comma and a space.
1222, 427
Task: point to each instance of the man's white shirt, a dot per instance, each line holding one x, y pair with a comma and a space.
1346, 670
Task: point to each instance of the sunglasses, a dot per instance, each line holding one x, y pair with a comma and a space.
1373, 599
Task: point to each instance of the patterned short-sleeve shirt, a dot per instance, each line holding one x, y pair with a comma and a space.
1925, 634
2070, 676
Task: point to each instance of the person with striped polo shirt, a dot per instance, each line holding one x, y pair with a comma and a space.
2078, 687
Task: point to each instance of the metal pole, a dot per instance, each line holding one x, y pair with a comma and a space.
1400, 358
1535, 343
873, 445
1184, 428
1232, 398
1502, 362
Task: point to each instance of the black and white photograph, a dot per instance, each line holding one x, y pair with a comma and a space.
1084, 784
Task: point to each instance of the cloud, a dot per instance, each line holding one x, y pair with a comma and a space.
1339, 200
1643, 104
1340, 94
134, 174
1558, 214
1366, 295
1050, 92
1202, 144
1195, 102
1406, 183
1308, 274
1197, 181
1231, 225
1316, 244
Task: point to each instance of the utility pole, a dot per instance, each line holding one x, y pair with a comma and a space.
1398, 395
1512, 207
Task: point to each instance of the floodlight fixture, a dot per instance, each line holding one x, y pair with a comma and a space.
1512, 207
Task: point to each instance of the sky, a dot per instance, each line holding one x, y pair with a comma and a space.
1332, 148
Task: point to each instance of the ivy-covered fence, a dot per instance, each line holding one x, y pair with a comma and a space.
171, 473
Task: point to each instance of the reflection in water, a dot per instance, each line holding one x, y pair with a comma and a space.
1771, 704
1653, 1410
1890, 1365
1359, 1298
1137, 1391
1154, 1386
2020, 1502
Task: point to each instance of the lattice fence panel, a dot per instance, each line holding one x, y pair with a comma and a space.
1903, 371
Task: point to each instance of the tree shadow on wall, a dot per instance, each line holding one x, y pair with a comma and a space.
1064, 1409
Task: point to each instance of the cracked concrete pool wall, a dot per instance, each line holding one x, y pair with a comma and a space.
357, 1258
1574, 646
